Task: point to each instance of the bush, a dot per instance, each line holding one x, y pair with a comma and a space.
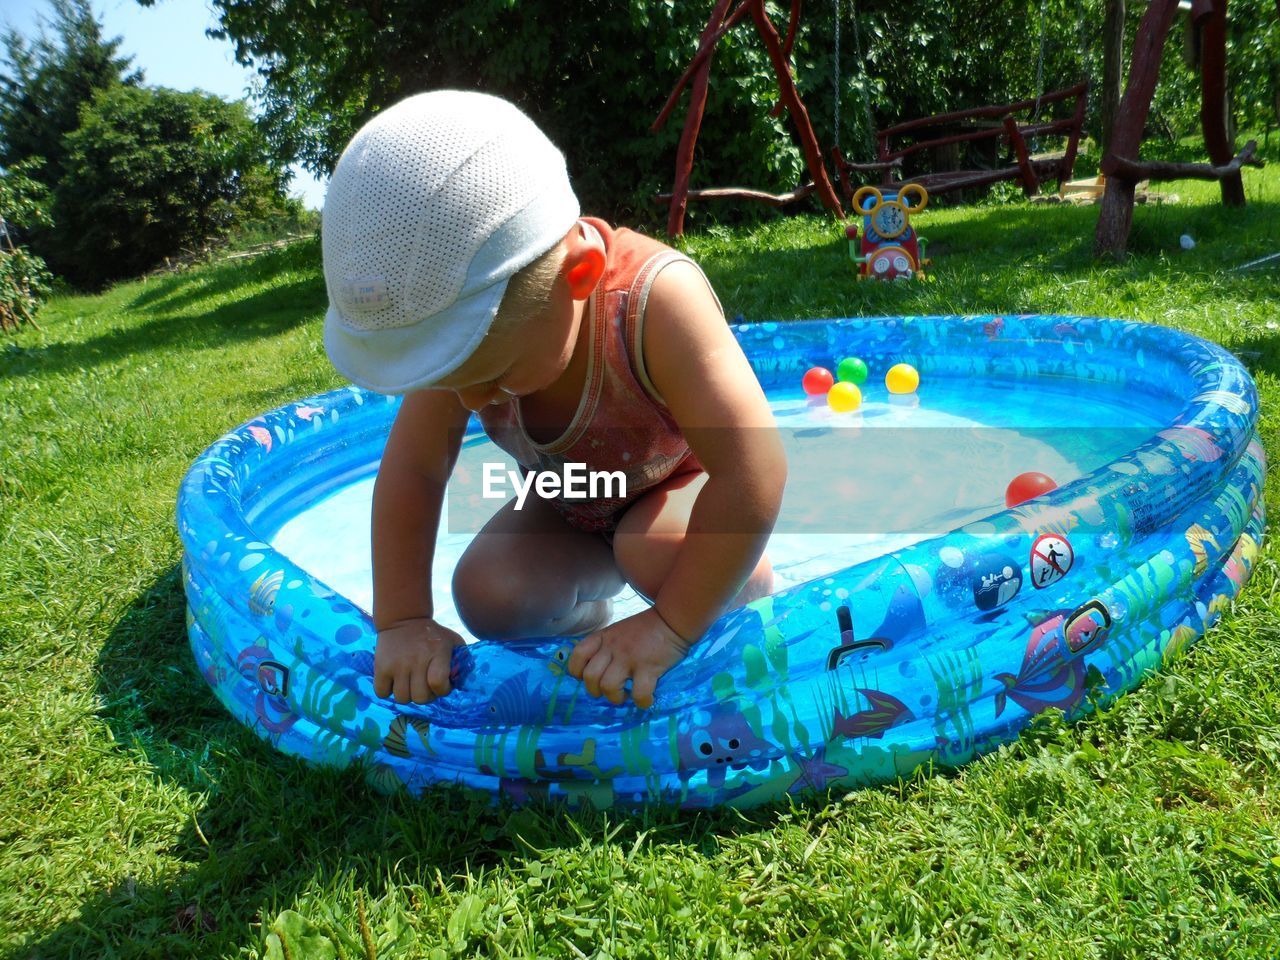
24, 278
24, 285
151, 173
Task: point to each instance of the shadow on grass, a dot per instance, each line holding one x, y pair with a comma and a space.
176, 291
1064, 233
272, 830
241, 318
1259, 351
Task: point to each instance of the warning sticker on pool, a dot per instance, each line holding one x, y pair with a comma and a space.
1051, 558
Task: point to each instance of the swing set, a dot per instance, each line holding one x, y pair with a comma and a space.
938, 133
1120, 164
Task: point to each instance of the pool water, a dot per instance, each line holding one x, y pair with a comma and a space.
898, 470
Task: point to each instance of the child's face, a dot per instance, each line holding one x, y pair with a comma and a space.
530, 353
527, 355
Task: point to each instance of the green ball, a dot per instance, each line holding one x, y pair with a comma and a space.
852, 370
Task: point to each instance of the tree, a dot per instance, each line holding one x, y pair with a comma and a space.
135, 174
1122, 165
44, 85
150, 172
590, 74
593, 75
1255, 62
1112, 68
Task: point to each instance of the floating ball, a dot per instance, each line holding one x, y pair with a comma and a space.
1026, 486
817, 381
844, 397
852, 370
902, 378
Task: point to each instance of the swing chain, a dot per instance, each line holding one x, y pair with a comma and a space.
869, 132
836, 71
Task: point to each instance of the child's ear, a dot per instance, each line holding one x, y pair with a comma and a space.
583, 267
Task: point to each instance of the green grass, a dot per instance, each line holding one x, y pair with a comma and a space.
130, 795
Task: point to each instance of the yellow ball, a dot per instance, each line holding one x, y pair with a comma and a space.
844, 397
902, 378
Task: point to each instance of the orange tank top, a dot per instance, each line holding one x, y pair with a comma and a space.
621, 423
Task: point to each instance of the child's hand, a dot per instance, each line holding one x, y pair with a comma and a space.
640, 648
412, 660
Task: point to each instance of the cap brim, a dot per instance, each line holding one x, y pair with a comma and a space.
403, 359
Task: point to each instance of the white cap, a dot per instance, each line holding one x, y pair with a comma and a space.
432, 207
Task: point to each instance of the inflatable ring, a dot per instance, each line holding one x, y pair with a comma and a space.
901, 662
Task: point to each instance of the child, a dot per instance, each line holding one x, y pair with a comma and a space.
460, 274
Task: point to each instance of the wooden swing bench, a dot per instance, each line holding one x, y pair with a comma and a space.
991, 123
982, 123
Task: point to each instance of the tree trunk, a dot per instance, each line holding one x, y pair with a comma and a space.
795, 106
1116, 217
692, 123
1213, 100
1112, 67
1115, 220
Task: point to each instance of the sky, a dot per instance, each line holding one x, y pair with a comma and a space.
167, 42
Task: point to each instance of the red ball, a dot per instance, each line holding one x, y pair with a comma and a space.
817, 381
1026, 486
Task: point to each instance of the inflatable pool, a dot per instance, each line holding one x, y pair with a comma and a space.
937, 642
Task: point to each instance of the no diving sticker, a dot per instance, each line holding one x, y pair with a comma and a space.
1051, 558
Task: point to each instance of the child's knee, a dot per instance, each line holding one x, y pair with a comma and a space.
500, 600
487, 598
486, 612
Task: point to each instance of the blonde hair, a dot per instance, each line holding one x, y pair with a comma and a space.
529, 289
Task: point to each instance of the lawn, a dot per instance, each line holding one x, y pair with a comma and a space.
137, 819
